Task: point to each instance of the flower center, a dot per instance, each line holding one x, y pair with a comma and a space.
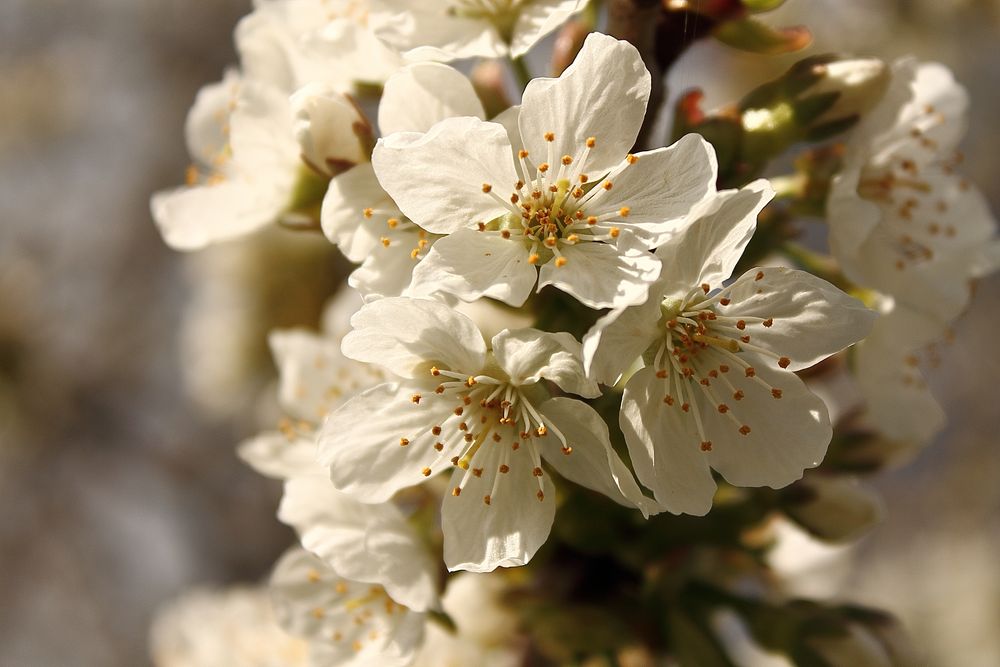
915, 211
548, 205
491, 423
700, 362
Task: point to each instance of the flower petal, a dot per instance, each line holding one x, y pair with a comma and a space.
603, 94
507, 531
810, 318
786, 435
362, 441
362, 542
192, 218
619, 338
279, 455
537, 19
425, 31
438, 178
528, 355
659, 191
408, 336
420, 95
707, 250
591, 462
665, 447
472, 265
600, 275
388, 270
314, 602
328, 126
356, 211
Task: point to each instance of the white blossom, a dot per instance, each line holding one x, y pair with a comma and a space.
358, 216
482, 413
449, 29
561, 193
207, 628
902, 222
718, 389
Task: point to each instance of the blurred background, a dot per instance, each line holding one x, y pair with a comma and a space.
128, 372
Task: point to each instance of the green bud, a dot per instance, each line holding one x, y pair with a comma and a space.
833, 509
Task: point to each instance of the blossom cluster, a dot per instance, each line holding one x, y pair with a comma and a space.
446, 393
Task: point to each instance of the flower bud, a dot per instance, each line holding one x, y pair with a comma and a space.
833, 509
488, 80
332, 132
858, 82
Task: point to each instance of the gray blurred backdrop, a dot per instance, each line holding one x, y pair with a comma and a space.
128, 372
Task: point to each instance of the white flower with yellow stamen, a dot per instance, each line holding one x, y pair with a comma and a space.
483, 413
902, 222
449, 29
567, 198
250, 168
358, 216
718, 390
346, 622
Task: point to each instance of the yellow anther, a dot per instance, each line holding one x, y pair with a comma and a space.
591, 219
456, 492
540, 495
522, 154
415, 398
487, 188
607, 185
392, 222
426, 472
470, 381
486, 499
191, 175
567, 160
415, 253
368, 212
572, 238
385, 241
591, 142
614, 232
435, 371
567, 450
632, 159
584, 178
549, 136
543, 167
533, 258
551, 241
561, 261
403, 442
624, 211
541, 430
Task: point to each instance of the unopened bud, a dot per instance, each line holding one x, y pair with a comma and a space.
859, 82
332, 133
489, 82
833, 509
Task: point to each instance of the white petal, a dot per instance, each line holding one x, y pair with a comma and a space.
899, 403
314, 376
619, 338
420, 95
812, 319
205, 128
427, 32
537, 19
262, 135
314, 602
388, 270
787, 435
472, 265
480, 537
660, 190
600, 275
528, 355
603, 94
343, 214
362, 542
437, 178
708, 249
191, 218
665, 447
591, 462
279, 455
361, 442
408, 336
